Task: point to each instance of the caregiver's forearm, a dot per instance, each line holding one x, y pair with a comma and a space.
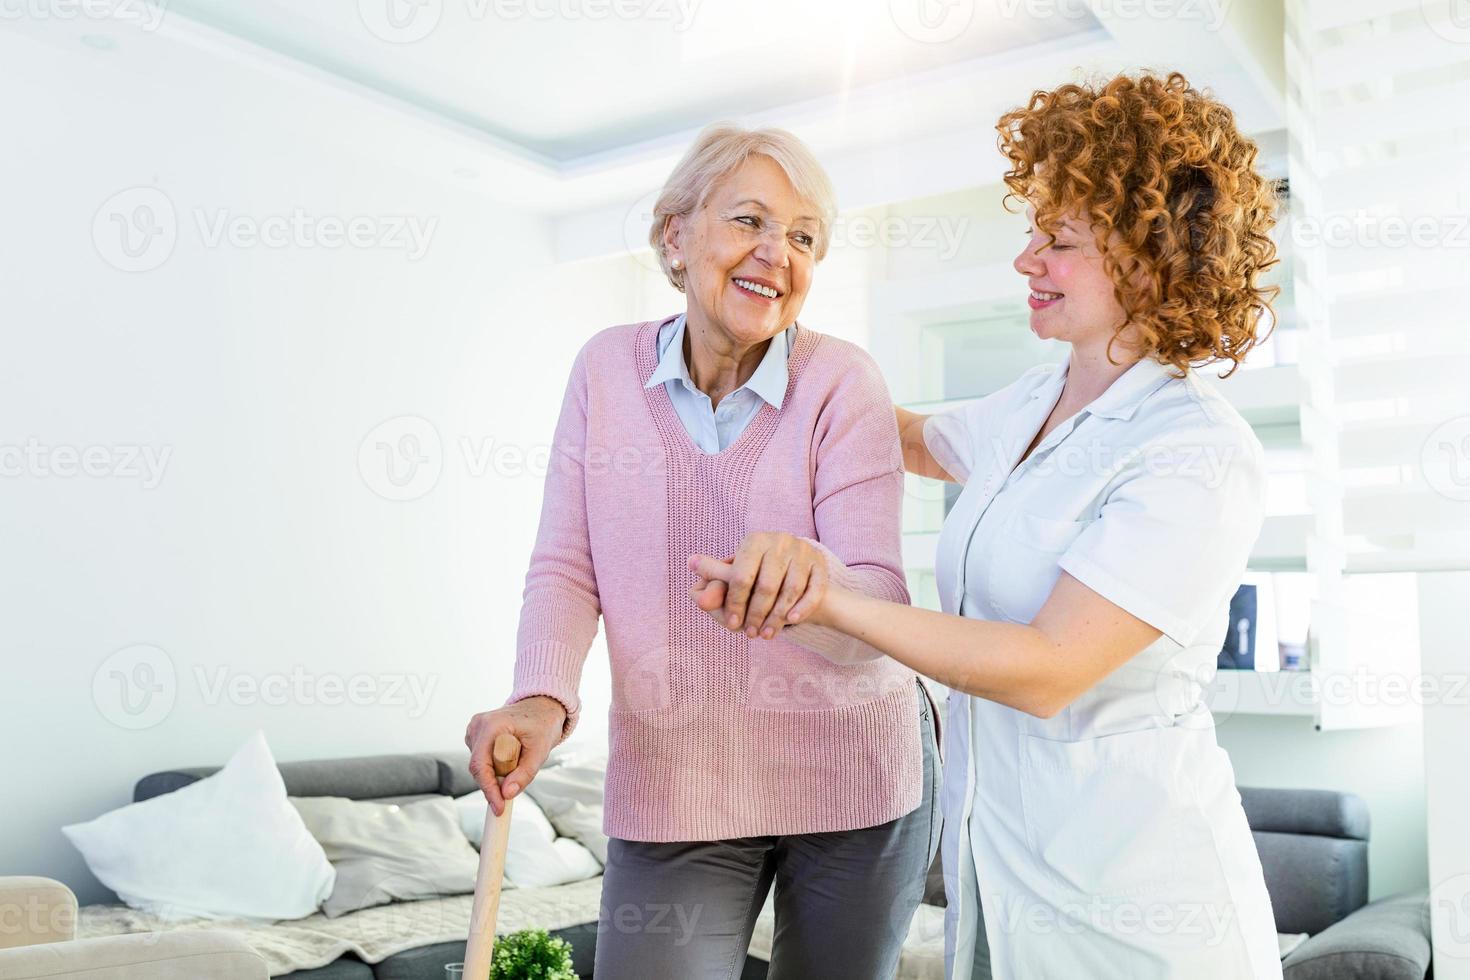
1008, 663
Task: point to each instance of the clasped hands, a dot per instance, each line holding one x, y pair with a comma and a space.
774, 580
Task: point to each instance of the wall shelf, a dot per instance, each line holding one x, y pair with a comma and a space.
1289, 693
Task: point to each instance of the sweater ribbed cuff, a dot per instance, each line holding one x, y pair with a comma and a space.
550, 669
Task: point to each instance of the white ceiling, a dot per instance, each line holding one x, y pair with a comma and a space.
581, 117
565, 79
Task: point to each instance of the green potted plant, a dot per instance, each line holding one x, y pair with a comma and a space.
531, 954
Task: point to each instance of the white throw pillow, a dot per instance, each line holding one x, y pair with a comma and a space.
570, 794
582, 822
227, 845
387, 852
535, 857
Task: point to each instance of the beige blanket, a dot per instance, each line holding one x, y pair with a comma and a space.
377, 933
373, 934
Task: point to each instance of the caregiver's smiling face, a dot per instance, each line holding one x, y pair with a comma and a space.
748, 253
1072, 297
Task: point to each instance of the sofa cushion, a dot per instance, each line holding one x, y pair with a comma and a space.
384, 852
1319, 812
193, 954
1387, 940
570, 794
1313, 881
535, 857
228, 845
361, 778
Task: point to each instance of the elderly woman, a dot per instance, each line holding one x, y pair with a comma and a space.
736, 758
1110, 503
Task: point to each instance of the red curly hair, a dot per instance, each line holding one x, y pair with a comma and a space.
1163, 167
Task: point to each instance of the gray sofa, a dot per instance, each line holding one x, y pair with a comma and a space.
387, 779
1314, 850
1313, 846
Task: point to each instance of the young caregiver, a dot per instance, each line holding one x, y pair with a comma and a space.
1091, 824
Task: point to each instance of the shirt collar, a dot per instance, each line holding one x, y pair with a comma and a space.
768, 382
1123, 396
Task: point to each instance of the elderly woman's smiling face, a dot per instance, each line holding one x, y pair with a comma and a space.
748, 253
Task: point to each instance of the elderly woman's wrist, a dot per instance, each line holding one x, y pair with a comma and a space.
550, 706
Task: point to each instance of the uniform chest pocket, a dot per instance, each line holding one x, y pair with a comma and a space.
1022, 564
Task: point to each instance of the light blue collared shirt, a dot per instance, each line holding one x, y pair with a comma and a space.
714, 427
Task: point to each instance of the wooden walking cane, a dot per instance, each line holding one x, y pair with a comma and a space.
504, 756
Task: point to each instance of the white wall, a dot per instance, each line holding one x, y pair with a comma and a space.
1385, 766
261, 547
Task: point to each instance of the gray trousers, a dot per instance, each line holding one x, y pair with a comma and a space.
686, 911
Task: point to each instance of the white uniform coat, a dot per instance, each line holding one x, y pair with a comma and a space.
1109, 840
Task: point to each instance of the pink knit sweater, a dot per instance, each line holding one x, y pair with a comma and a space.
713, 735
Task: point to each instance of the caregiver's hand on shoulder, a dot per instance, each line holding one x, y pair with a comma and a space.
774, 580
536, 723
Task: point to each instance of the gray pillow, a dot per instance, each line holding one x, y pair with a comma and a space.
384, 852
1386, 940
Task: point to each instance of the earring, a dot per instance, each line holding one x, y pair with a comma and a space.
676, 264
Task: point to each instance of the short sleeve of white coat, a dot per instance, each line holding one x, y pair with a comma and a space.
1174, 535
960, 436
947, 436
